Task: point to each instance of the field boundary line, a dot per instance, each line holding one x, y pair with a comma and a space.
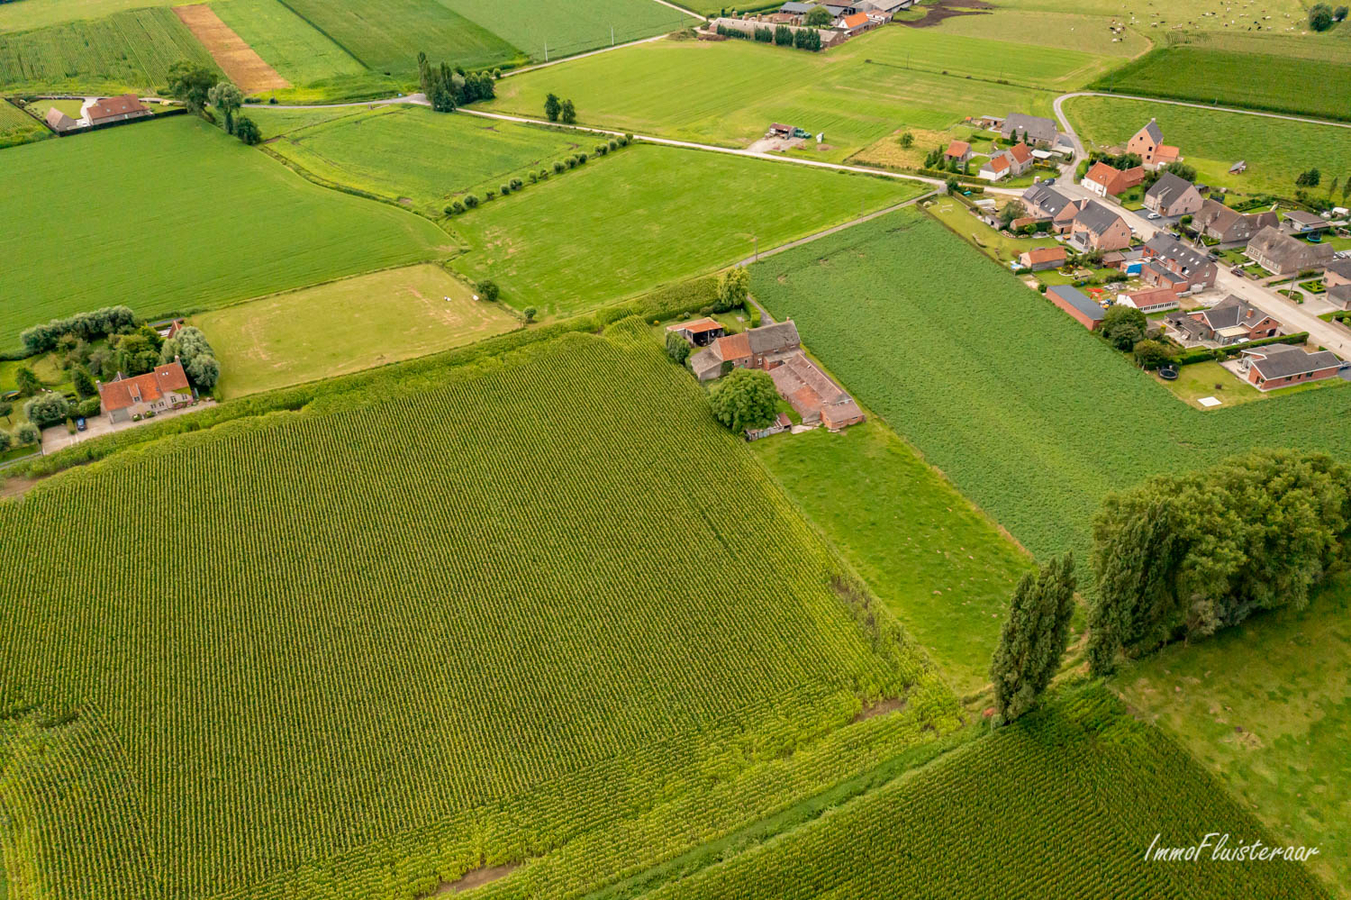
1308, 120
834, 229
679, 8
337, 43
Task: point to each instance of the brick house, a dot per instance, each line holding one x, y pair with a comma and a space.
1167, 262
1230, 228
1048, 203
1148, 144
1230, 321
1039, 258
1281, 365
1077, 304
700, 332
1173, 196
1033, 130
758, 348
1338, 272
1105, 181
60, 122
960, 151
116, 109
1098, 228
1339, 295
1281, 254
1151, 301
163, 389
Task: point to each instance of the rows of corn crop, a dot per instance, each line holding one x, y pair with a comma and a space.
371, 649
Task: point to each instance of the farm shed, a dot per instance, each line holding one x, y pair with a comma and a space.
1078, 305
700, 332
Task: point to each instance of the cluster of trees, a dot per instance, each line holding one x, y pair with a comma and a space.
1127, 329
197, 86
1322, 16
448, 88
744, 398
86, 326
556, 110
1183, 556
734, 286
1033, 641
1121, 161
1180, 169
1310, 178
782, 35
190, 348
936, 158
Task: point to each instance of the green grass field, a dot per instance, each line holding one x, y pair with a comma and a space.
345, 326
1061, 804
729, 93
18, 127
1028, 413
30, 14
643, 217
1319, 88
942, 567
565, 28
1276, 151
214, 221
466, 624
1267, 707
1157, 21
386, 35
1060, 30
370, 151
127, 51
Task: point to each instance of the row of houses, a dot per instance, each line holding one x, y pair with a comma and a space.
1088, 225
776, 349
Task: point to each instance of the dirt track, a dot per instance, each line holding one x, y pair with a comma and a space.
237, 59
946, 10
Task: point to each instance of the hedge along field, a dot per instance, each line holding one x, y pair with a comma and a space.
565, 27
1063, 803
648, 215
1276, 150
371, 150
18, 127
1309, 87
379, 663
1033, 417
387, 35
127, 51
728, 93
176, 216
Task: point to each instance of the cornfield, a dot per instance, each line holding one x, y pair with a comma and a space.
356, 653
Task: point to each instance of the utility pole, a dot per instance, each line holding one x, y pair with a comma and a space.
612, 35
756, 238
546, 51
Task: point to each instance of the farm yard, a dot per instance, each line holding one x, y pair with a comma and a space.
1212, 141
345, 326
217, 222
368, 149
634, 225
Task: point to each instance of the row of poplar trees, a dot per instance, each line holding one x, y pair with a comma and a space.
448, 88
1179, 558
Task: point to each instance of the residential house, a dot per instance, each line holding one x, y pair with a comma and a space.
1098, 228
1106, 181
856, 24
1231, 321
1073, 301
1281, 254
1029, 129
1338, 272
1340, 295
60, 122
116, 109
812, 394
758, 348
154, 392
1048, 203
1229, 227
1021, 158
1167, 262
700, 332
1151, 301
1297, 221
1039, 258
1173, 196
1281, 365
1011, 162
1148, 144
959, 151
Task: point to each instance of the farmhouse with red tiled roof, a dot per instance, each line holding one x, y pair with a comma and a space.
165, 388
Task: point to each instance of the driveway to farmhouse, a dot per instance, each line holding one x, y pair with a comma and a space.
58, 438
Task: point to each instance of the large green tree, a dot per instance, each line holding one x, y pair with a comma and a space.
1124, 326
1034, 638
734, 286
744, 399
818, 17
228, 99
192, 84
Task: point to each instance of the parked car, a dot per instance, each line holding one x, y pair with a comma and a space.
1153, 215
1238, 270
1049, 181
79, 424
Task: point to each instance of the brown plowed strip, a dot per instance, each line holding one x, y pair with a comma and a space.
237, 59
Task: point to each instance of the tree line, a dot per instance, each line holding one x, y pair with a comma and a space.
198, 86
448, 88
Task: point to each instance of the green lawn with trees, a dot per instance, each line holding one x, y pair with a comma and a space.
216, 222
643, 217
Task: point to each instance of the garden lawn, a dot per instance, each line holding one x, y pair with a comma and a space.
957, 216
387, 35
1210, 379
1266, 706
180, 218
455, 154
1276, 150
728, 93
127, 51
648, 215
1031, 416
940, 565
564, 27
18, 127
344, 326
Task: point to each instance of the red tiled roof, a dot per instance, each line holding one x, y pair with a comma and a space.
998, 163
1020, 152
145, 388
855, 20
1101, 173
1044, 254
698, 326
958, 148
1165, 153
115, 106
734, 346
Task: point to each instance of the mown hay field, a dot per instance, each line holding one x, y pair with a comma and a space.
1308, 87
1028, 413
1276, 150
370, 150
647, 215
177, 216
392, 643
1064, 803
563, 28
345, 326
127, 51
1157, 21
729, 93
18, 127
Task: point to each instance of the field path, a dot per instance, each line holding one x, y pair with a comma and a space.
678, 8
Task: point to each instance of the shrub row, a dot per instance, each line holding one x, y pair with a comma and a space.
472, 201
1205, 354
